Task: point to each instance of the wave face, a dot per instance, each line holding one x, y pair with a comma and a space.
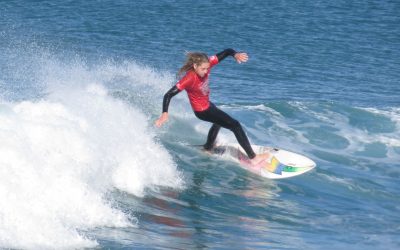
66, 148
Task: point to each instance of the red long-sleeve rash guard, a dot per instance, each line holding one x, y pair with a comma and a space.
197, 87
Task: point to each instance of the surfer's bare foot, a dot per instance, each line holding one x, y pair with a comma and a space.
259, 158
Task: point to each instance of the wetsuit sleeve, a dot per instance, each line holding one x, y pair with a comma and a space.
167, 97
224, 54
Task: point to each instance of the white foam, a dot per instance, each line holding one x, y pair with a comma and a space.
61, 155
390, 139
358, 138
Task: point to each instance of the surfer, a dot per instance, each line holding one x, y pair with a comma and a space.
195, 74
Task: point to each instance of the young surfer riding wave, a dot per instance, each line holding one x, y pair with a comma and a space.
196, 71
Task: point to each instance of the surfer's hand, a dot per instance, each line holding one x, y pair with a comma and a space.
163, 118
241, 57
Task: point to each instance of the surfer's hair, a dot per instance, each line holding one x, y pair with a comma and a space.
192, 58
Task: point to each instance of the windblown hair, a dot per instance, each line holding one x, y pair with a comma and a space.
192, 58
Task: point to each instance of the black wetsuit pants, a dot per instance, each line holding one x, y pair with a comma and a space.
221, 119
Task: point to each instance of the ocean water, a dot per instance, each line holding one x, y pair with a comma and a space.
83, 167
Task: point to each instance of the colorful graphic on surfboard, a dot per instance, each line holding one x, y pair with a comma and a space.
280, 163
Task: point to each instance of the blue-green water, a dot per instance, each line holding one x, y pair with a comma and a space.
82, 166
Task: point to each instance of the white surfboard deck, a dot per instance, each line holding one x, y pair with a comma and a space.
280, 163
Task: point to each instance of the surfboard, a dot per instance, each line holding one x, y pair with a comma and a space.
280, 163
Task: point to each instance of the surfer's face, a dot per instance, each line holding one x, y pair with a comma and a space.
202, 68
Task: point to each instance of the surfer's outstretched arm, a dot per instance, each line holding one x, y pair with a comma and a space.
167, 99
239, 56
